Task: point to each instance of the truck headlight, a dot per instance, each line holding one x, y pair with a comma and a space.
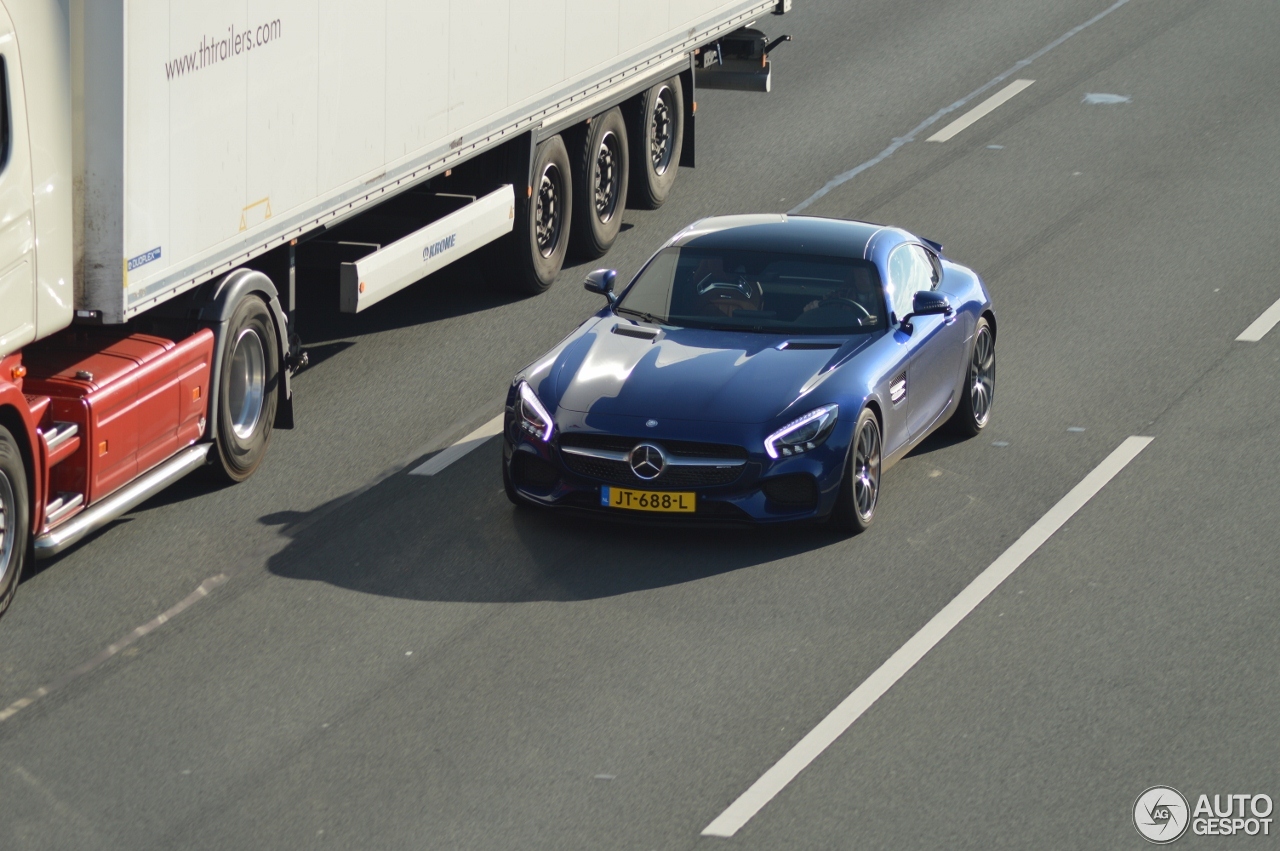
533, 416
803, 434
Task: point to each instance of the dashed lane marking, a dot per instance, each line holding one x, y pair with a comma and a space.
844, 177
443, 459
981, 110
202, 591
1260, 326
896, 666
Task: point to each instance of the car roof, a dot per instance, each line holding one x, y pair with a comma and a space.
780, 232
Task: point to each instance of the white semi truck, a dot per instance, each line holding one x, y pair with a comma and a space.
164, 163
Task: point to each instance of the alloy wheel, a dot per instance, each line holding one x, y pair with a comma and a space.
982, 376
866, 470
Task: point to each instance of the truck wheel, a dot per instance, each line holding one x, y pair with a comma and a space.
601, 175
529, 260
657, 135
15, 517
249, 380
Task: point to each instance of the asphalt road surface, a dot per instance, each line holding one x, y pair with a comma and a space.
380, 660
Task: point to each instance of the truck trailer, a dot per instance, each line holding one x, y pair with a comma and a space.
164, 164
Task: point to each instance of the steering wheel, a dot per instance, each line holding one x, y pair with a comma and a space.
846, 304
741, 287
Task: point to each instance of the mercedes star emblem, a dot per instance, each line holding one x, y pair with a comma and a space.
647, 461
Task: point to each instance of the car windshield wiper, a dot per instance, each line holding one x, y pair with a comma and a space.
754, 329
639, 314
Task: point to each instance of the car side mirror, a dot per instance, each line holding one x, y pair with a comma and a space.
926, 303
601, 281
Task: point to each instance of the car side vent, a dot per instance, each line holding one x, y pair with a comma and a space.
805, 345
636, 331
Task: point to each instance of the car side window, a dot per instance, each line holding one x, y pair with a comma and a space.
909, 272
930, 269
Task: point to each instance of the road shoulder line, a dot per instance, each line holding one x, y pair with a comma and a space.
904, 659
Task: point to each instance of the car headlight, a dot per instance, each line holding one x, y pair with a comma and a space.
803, 434
533, 416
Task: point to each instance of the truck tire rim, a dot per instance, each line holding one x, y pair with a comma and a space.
866, 471
246, 383
607, 157
660, 132
982, 377
547, 214
8, 513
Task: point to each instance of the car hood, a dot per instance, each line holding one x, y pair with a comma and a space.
691, 374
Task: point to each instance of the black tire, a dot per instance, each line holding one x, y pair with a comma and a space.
509, 488
15, 518
601, 173
860, 488
248, 388
657, 136
529, 259
976, 397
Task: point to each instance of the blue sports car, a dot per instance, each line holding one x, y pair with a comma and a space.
759, 368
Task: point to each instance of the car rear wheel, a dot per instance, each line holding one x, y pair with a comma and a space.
974, 411
860, 488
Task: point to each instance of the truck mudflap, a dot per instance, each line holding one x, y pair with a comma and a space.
739, 62
393, 267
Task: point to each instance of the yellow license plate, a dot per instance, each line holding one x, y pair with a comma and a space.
648, 500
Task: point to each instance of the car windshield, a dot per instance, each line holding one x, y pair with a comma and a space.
759, 291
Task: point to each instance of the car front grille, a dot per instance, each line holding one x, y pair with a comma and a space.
689, 448
681, 476
619, 473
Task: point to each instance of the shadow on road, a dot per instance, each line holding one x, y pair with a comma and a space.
455, 537
943, 438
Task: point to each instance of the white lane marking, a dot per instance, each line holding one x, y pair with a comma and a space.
981, 110
896, 666
462, 447
1264, 323
202, 591
844, 177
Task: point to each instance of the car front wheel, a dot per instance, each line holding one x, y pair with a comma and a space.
860, 488
974, 411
